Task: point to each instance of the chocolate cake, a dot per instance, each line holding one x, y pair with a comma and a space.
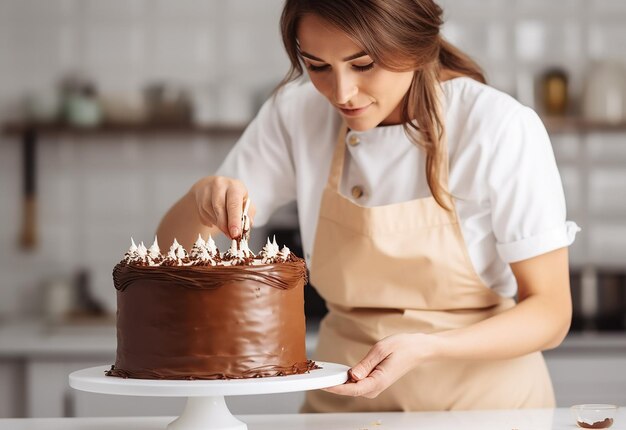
206, 315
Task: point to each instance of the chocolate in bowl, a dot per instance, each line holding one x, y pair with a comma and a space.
594, 416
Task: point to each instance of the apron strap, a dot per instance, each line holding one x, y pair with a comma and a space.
339, 155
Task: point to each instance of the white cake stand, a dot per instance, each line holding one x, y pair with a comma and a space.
205, 408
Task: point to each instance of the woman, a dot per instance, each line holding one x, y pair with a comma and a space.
427, 201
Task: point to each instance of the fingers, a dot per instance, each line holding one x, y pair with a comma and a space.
202, 192
386, 362
235, 196
373, 358
369, 387
220, 203
367, 377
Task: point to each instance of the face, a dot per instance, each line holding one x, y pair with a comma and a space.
365, 94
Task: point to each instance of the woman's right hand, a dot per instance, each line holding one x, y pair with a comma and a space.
220, 202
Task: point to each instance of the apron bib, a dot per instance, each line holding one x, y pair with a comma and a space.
405, 268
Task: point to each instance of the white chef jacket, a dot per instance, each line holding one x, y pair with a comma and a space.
503, 175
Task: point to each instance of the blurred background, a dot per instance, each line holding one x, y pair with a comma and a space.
111, 109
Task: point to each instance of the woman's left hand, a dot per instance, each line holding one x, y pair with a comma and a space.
385, 363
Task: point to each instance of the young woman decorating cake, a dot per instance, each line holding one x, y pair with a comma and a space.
430, 206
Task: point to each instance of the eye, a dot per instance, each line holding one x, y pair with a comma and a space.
365, 68
313, 68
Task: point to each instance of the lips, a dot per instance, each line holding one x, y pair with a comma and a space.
355, 111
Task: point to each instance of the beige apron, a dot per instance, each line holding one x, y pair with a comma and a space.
405, 268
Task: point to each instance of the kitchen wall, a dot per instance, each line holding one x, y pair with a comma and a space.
96, 192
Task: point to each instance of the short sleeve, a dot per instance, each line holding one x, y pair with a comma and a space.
262, 160
525, 191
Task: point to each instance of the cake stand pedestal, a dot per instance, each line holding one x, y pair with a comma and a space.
206, 408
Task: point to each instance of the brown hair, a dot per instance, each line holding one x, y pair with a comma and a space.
399, 35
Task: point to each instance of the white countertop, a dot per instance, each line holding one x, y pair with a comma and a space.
537, 419
36, 338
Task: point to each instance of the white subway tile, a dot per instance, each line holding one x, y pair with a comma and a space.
566, 147
185, 10
182, 53
577, 250
607, 147
530, 39
49, 12
548, 8
175, 153
111, 195
607, 246
165, 190
483, 43
113, 46
113, 11
549, 41
57, 241
607, 40
610, 8
570, 176
34, 52
473, 9
247, 26
56, 196
607, 191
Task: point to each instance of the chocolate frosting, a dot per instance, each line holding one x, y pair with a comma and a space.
210, 322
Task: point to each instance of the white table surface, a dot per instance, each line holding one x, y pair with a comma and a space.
537, 419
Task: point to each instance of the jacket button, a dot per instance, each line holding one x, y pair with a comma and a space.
357, 192
354, 140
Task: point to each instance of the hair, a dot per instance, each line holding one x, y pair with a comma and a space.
399, 35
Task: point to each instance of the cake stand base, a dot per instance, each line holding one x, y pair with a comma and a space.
206, 408
206, 413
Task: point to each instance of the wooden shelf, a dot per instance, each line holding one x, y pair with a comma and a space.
18, 129
575, 124
554, 125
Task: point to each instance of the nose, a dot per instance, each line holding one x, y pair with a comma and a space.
345, 88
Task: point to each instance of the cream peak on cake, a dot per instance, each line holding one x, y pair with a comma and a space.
239, 252
205, 253
176, 256
270, 251
284, 253
142, 253
210, 245
131, 254
154, 254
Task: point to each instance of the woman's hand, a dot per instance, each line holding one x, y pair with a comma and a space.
220, 201
385, 363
